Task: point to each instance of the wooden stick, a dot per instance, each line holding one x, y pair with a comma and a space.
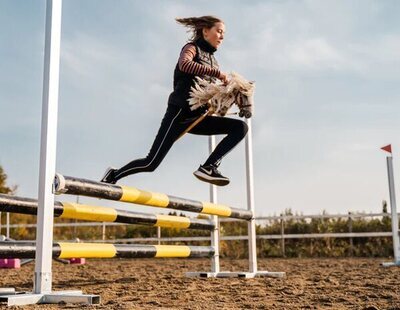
192, 125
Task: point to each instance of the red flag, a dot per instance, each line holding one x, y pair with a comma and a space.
387, 148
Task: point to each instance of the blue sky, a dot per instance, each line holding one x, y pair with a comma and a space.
327, 98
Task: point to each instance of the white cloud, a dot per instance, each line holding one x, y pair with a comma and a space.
313, 54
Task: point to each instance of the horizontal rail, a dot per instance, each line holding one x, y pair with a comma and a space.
88, 224
267, 237
69, 210
260, 237
236, 238
10, 249
318, 216
327, 235
277, 236
83, 187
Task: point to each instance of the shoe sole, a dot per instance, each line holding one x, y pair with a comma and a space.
206, 178
106, 174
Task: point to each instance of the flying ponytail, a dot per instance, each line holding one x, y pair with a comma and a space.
196, 24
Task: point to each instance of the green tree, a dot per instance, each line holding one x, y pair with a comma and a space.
4, 189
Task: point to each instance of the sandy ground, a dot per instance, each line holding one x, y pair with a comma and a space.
161, 283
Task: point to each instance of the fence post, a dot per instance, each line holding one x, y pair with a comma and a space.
48, 143
159, 234
8, 225
215, 234
76, 221
103, 233
350, 231
283, 236
394, 216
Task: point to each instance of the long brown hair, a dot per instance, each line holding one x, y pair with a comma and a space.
196, 24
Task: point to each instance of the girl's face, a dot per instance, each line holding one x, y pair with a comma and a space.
215, 34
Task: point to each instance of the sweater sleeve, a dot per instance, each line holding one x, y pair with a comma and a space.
187, 65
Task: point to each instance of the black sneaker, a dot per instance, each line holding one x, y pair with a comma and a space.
108, 176
211, 175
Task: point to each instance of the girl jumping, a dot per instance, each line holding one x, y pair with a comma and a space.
196, 59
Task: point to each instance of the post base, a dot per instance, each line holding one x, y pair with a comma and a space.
227, 274
12, 263
77, 261
390, 264
19, 299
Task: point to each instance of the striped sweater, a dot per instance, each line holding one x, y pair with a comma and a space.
187, 64
196, 59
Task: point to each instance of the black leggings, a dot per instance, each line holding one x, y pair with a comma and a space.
174, 123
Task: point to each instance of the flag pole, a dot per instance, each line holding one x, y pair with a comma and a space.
393, 209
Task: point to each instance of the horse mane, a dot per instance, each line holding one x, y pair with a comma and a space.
220, 97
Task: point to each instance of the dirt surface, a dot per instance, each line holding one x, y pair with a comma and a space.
161, 283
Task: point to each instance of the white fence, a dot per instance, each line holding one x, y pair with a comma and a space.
281, 236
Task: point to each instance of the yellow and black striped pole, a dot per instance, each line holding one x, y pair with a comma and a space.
104, 250
78, 186
77, 211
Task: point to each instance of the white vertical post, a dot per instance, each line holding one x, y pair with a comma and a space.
42, 292
103, 232
215, 238
158, 235
76, 221
393, 209
214, 218
44, 230
8, 225
250, 200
